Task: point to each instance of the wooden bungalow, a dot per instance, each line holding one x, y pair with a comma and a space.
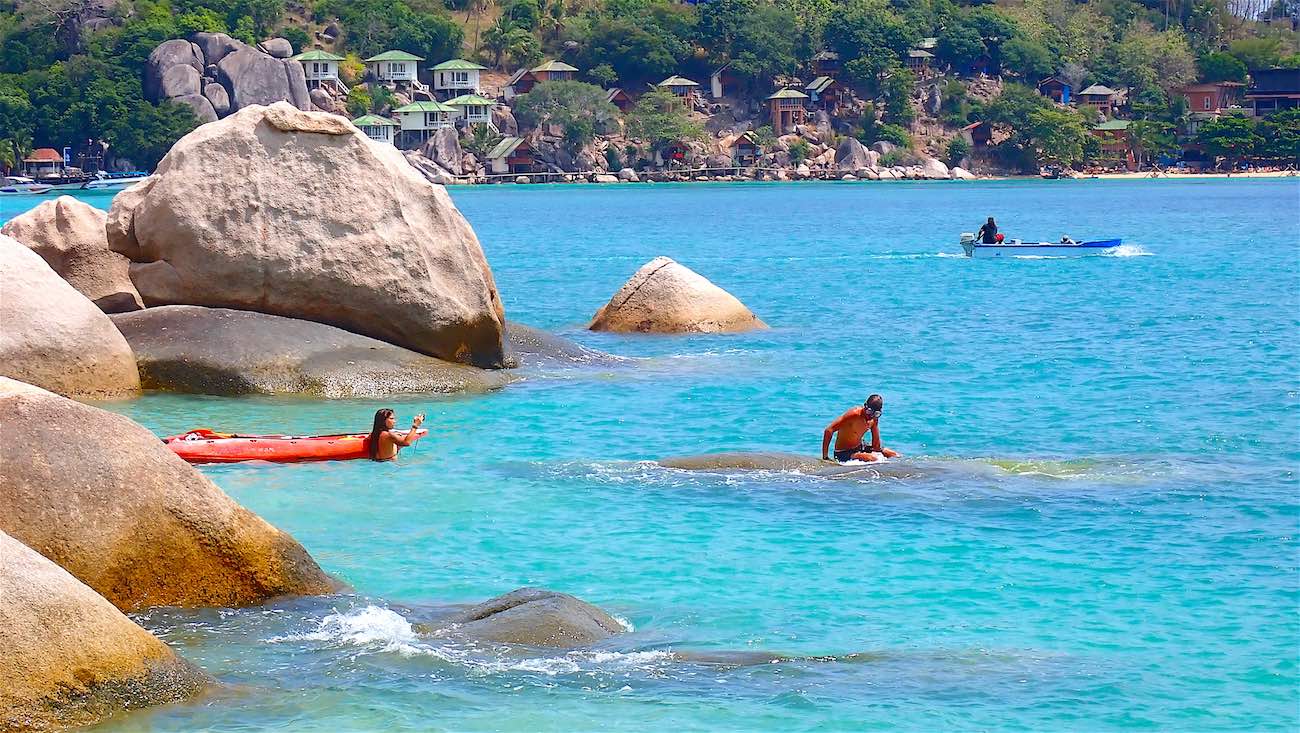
824, 93
511, 155
918, 60
523, 81
379, 129
471, 109
682, 88
721, 81
826, 63
745, 150
619, 99
1056, 89
456, 77
44, 163
787, 110
978, 134
392, 67
321, 69
1115, 144
1102, 98
1210, 101
421, 119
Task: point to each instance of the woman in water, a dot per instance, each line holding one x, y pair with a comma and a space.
384, 443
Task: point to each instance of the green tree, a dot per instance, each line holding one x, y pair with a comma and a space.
359, 101
659, 119
296, 37
1151, 139
799, 150
1220, 66
1027, 59
481, 140
764, 45
602, 75
1056, 135
870, 38
1257, 53
638, 52
960, 46
958, 150
897, 91
381, 98
1230, 137
578, 107
1280, 133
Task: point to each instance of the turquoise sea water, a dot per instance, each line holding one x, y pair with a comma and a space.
1094, 528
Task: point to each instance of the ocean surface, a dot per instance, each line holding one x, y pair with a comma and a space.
1093, 527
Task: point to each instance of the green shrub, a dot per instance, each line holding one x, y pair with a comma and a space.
958, 149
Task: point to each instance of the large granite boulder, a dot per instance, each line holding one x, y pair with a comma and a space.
961, 174
69, 235
54, 337
934, 170
503, 118
215, 46
279, 48
106, 500
443, 148
218, 97
254, 78
168, 55
68, 657
666, 297
189, 348
248, 213
180, 80
538, 618
432, 172
200, 105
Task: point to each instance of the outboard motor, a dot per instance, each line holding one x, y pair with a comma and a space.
968, 243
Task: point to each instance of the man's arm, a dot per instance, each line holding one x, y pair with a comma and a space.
876, 447
830, 430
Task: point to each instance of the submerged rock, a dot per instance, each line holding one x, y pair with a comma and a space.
774, 461
526, 345
68, 657
537, 617
244, 213
188, 348
102, 497
666, 297
69, 235
52, 336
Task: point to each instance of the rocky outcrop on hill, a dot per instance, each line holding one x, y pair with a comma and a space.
68, 657
69, 235
666, 297
191, 71
242, 214
54, 337
538, 618
186, 348
106, 500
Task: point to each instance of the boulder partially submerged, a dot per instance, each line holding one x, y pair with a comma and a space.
106, 500
528, 346
794, 463
69, 235
666, 297
68, 657
536, 617
188, 348
298, 214
53, 336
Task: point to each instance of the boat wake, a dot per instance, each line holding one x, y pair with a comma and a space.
1127, 250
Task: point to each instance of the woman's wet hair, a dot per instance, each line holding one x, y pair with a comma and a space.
381, 424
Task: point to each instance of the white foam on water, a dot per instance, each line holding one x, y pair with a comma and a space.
627, 625
1127, 250
913, 255
369, 626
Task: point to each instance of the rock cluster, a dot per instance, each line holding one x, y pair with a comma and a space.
69, 235
244, 213
666, 297
217, 75
54, 337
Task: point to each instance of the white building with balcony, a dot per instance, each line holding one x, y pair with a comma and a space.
456, 77
391, 67
321, 69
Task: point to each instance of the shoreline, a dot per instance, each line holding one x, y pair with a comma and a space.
559, 179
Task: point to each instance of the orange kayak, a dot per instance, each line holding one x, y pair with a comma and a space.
205, 446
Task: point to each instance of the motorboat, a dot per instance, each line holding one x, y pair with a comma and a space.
22, 185
1016, 248
114, 181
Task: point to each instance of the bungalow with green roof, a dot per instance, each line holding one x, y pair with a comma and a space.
456, 77
787, 108
394, 66
824, 92
511, 155
321, 69
682, 88
523, 81
918, 60
379, 129
1102, 98
1115, 143
745, 150
421, 119
473, 109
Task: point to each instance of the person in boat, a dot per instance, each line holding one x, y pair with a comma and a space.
988, 234
384, 442
850, 430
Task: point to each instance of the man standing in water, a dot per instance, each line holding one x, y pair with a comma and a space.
852, 426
